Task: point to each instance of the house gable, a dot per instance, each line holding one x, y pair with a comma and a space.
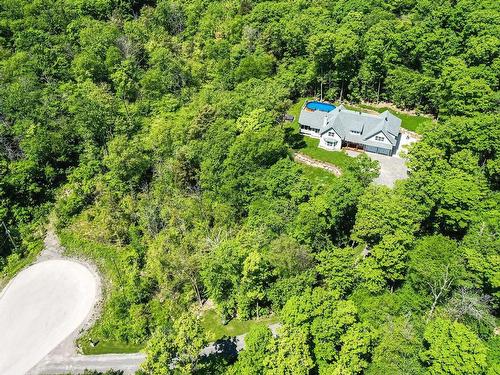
329, 131
380, 137
356, 127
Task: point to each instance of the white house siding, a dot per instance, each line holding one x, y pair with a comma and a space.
311, 132
335, 139
385, 143
378, 146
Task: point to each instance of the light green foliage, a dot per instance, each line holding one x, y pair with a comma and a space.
161, 352
397, 349
153, 133
462, 91
493, 356
336, 268
329, 214
387, 262
189, 340
452, 349
436, 260
177, 348
436, 267
290, 354
382, 212
249, 152
328, 321
127, 163
251, 361
258, 65
452, 189
355, 354
482, 252
254, 281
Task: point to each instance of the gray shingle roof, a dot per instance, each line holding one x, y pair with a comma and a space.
314, 119
344, 121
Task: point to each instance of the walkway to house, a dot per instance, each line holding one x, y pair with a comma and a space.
304, 159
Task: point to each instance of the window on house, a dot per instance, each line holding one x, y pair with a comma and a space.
331, 134
316, 130
379, 138
355, 132
329, 144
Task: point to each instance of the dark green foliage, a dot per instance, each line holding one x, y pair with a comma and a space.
153, 133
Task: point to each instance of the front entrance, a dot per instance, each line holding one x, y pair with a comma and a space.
352, 146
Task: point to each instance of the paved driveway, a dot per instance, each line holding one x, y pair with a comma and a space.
392, 168
77, 364
39, 308
407, 138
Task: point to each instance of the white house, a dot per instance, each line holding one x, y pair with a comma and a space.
337, 127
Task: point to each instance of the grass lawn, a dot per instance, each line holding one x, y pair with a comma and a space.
338, 158
410, 122
106, 347
295, 111
310, 146
317, 175
110, 268
211, 321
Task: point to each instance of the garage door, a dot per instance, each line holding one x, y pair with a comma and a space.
378, 150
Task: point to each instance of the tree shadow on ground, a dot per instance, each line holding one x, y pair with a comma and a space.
294, 139
225, 354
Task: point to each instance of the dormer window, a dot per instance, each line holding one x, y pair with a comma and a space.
331, 134
355, 132
379, 138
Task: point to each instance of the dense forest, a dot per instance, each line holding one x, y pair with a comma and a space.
151, 135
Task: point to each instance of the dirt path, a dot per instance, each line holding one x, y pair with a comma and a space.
304, 159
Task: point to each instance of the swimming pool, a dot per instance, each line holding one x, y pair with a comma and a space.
319, 106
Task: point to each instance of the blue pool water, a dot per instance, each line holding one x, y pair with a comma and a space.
318, 106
